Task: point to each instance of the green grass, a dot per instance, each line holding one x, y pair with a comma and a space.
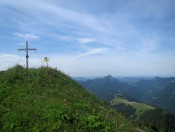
49, 100
140, 107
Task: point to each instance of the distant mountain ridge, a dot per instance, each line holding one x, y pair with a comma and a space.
106, 87
157, 91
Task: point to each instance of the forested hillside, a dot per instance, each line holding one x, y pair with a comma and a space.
159, 92
140, 113
106, 87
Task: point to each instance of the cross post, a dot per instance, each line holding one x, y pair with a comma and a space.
27, 54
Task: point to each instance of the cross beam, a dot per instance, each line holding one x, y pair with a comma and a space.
27, 56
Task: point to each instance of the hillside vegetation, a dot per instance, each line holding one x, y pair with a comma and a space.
48, 100
106, 87
140, 113
139, 108
159, 92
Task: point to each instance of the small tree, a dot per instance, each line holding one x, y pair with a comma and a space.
46, 60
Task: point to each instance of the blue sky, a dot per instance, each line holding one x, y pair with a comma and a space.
91, 37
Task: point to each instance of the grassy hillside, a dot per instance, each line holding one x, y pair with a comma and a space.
48, 100
140, 108
152, 117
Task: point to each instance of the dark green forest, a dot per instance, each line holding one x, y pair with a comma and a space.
145, 115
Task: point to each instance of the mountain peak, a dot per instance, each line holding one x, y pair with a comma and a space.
109, 77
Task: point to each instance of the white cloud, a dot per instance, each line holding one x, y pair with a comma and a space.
53, 15
26, 36
82, 40
21, 44
8, 60
86, 40
8, 56
92, 52
66, 38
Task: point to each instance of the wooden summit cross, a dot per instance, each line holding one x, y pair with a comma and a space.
27, 56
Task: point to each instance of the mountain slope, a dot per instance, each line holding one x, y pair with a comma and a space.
106, 87
139, 108
152, 117
48, 100
102, 87
158, 91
